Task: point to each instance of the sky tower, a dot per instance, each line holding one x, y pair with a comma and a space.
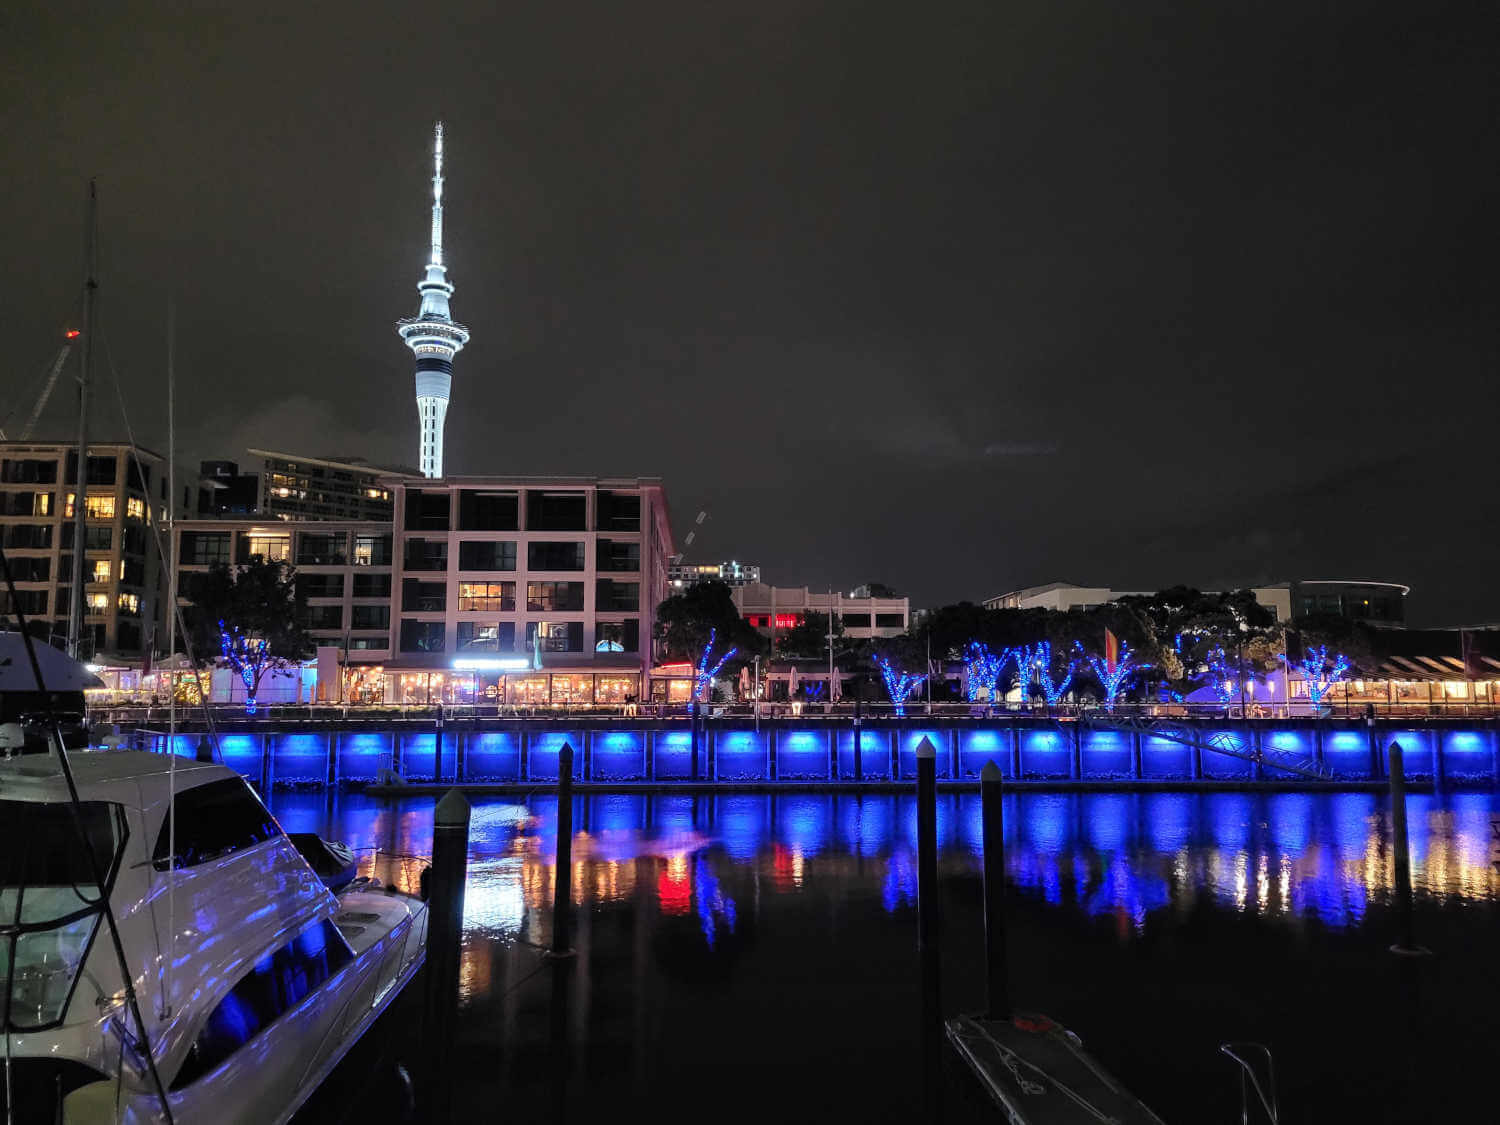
433, 336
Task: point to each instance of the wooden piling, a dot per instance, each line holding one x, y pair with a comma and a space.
445, 904
927, 928
562, 888
991, 790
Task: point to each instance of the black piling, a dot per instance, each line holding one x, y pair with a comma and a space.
445, 904
927, 929
562, 889
991, 793
693, 741
1401, 856
859, 757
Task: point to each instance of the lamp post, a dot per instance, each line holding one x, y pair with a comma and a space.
1240, 660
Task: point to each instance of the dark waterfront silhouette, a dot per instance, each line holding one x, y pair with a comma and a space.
750, 957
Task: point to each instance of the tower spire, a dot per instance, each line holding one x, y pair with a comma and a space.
433, 335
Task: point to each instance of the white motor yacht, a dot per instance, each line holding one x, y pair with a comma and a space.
251, 977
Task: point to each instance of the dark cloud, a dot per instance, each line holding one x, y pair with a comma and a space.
960, 299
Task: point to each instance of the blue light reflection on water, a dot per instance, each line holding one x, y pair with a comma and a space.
1118, 855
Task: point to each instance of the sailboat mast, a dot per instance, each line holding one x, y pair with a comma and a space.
166, 992
76, 607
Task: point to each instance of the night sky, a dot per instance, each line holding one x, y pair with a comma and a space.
958, 297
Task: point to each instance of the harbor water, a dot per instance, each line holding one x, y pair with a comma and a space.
752, 957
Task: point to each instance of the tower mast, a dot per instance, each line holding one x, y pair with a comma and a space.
76, 607
433, 335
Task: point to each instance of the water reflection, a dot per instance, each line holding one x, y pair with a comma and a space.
1123, 856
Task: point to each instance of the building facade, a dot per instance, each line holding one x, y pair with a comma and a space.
773, 608
528, 590
681, 575
123, 580
225, 491
293, 487
1065, 596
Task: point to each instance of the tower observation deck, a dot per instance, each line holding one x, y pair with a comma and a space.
433, 335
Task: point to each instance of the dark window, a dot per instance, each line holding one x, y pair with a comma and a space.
98, 538
29, 536
488, 511
619, 511
213, 821
426, 554
30, 602
486, 556
26, 503
133, 572
856, 620
372, 585
556, 511
423, 597
129, 636
557, 636
203, 548
615, 554
368, 642
555, 556
560, 597
135, 540
321, 585
372, 617
618, 636
421, 636
278, 983
138, 476
325, 617
613, 596
486, 636
27, 569
890, 621
426, 510
322, 550
28, 472
101, 470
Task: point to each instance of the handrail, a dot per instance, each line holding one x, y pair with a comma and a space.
1247, 1071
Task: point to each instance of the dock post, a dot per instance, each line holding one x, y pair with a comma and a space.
991, 794
445, 903
693, 742
562, 887
1075, 753
1372, 741
927, 928
859, 764
1401, 858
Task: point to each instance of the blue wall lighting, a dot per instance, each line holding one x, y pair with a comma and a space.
1228, 765
1416, 751
241, 752
1046, 753
1298, 743
672, 751
976, 747
802, 755
492, 755
741, 754
874, 748
909, 743
1161, 757
361, 754
1347, 753
544, 748
618, 755
1106, 753
419, 756
1466, 754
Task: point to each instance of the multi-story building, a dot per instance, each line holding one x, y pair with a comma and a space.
225, 491
293, 487
527, 590
681, 575
123, 581
1381, 603
771, 608
342, 567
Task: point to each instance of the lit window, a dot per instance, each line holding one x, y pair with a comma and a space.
98, 603
135, 508
101, 570
99, 507
490, 597
130, 603
272, 548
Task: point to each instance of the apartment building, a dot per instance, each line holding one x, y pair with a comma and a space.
773, 608
681, 575
294, 487
123, 581
527, 590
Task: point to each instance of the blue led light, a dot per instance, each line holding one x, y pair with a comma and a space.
982, 670
1112, 679
1037, 659
1320, 674
248, 656
899, 685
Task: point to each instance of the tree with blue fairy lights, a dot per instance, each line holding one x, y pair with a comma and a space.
703, 677
1320, 673
983, 669
1224, 682
1054, 687
1112, 679
250, 657
899, 685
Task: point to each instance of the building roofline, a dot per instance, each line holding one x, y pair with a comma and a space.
356, 466
70, 445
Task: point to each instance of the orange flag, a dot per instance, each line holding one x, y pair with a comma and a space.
1111, 650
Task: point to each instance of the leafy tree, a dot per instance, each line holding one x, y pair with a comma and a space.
809, 638
685, 621
1187, 625
251, 616
1340, 634
880, 590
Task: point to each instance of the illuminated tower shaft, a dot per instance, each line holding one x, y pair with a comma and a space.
433, 335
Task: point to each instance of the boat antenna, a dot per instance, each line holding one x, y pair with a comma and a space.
96, 871
165, 1009
80, 476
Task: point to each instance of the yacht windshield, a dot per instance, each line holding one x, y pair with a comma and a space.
50, 902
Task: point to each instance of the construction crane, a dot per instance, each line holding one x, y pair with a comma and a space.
41, 403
